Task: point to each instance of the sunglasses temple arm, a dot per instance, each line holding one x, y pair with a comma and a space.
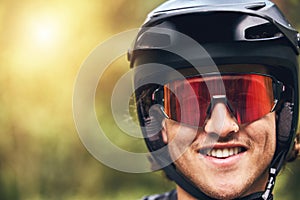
279, 90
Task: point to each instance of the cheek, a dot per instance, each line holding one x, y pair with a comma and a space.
179, 138
263, 134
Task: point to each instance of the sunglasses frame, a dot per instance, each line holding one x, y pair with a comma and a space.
278, 89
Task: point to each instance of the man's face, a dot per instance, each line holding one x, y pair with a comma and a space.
225, 160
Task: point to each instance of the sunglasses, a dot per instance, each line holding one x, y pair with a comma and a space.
248, 97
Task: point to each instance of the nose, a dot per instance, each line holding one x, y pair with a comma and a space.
221, 121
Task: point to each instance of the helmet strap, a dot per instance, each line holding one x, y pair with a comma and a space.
283, 132
184, 183
273, 171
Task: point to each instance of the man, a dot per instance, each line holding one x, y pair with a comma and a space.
217, 96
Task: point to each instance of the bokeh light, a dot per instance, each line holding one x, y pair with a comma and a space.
45, 32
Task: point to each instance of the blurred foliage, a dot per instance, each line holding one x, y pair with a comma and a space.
41, 156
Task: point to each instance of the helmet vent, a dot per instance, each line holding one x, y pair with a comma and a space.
153, 40
263, 31
257, 6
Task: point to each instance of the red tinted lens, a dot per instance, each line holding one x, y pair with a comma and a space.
250, 96
187, 100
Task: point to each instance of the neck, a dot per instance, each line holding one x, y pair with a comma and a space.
183, 195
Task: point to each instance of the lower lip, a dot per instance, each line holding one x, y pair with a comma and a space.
224, 162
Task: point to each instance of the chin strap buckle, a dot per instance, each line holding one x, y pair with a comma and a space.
270, 184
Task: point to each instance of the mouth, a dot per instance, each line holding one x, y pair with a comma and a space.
222, 153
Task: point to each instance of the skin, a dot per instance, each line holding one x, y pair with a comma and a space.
297, 146
226, 178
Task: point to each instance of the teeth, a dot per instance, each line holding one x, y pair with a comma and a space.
224, 153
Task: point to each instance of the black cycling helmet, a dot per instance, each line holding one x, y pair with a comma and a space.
236, 36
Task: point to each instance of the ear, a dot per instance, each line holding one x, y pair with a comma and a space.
297, 143
295, 151
164, 133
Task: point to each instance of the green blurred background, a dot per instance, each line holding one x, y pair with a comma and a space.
43, 44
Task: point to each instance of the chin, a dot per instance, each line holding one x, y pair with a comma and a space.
224, 196
226, 191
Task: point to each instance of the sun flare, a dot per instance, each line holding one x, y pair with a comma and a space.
40, 38
45, 32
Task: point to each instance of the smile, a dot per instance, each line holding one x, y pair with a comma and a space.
222, 152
